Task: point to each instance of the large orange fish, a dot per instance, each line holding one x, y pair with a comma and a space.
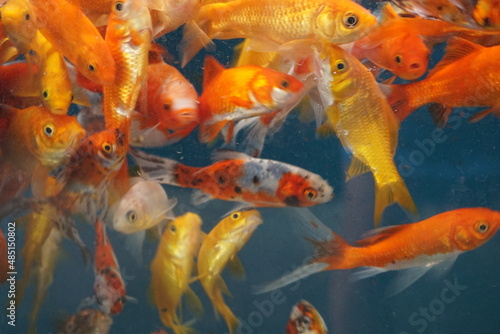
242, 92
418, 246
448, 85
305, 319
237, 177
72, 33
128, 36
271, 23
167, 108
109, 287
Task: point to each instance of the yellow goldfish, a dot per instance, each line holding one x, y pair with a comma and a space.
172, 268
359, 114
271, 23
219, 247
18, 23
128, 37
45, 272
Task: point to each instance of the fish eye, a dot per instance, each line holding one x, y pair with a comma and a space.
107, 147
173, 228
350, 20
119, 6
131, 216
340, 65
482, 227
45, 94
72, 97
91, 68
398, 59
48, 129
27, 16
167, 106
285, 83
235, 215
310, 193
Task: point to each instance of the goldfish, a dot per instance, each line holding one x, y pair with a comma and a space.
363, 121
305, 319
170, 110
109, 287
487, 14
4, 264
237, 93
45, 272
90, 321
273, 23
448, 86
237, 177
71, 33
219, 247
18, 23
415, 247
172, 270
128, 37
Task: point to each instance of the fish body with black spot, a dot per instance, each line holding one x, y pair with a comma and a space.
109, 288
305, 319
238, 177
219, 247
172, 268
358, 113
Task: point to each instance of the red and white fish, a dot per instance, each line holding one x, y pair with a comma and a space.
305, 319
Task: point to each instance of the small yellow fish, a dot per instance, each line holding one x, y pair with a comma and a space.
219, 247
172, 269
18, 23
359, 114
271, 23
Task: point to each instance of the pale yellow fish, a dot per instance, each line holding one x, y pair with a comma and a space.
359, 114
18, 23
272, 23
219, 247
172, 269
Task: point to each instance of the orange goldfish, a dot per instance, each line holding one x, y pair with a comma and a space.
172, 270
305, 319
448, 85
360, 116
487, 14
270, 23
219, 247
4, 264
418, 246
128, 36
170, 110
18, 23
237, 177
242, 92
72, 33
109, 287
19, 88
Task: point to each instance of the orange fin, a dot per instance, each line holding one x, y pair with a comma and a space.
209, 132
397, 98
374, 236
439, 113
387, 13
482, 114
456, 49
212, 69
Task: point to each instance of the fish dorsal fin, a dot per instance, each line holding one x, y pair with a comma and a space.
456, 49
221, 155
212, 69
387, 13
376, 235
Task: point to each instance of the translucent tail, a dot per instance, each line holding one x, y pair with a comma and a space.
389, 193
194, 39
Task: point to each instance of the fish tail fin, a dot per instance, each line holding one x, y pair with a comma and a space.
220, 305
184, 329
195, 38
155, 168
389, 193
399, 100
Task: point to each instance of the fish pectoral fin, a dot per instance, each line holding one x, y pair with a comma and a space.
131, 299
235, 268
193, 303
221, 285
405, 278
495, 110
365, 272
357, 167
199, 197
326, 130
439, 113
209, 132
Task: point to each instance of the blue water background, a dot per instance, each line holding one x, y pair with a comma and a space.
460, 170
